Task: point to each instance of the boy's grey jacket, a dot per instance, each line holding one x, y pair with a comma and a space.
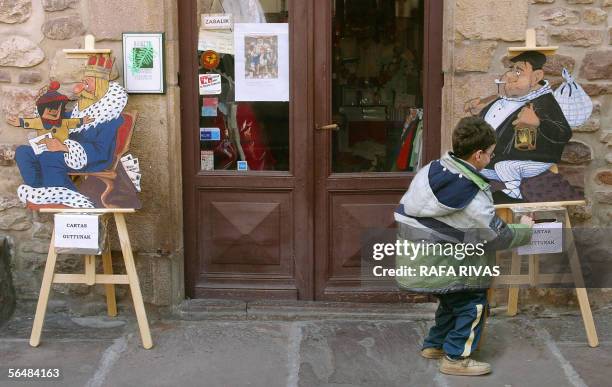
448, 201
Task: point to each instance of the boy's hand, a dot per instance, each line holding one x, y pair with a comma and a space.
527, 220
87, 120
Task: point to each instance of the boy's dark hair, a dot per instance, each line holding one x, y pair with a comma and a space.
470, 135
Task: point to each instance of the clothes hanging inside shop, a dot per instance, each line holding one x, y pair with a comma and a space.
251, 146
409, 153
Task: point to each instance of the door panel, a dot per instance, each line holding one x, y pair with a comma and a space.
293, 231
246, 245
351, 215
247, 233
369, 96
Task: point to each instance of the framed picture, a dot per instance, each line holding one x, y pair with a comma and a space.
143, 62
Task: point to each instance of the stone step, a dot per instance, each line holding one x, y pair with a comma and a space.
279, 310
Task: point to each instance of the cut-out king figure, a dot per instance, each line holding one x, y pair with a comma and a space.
88, 148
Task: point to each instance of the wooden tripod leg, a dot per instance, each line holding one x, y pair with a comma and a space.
587, 317
111, 301
513, 292
534, 270
90, 270
581, 293
130, 268
43, 297
491, 299
506, 215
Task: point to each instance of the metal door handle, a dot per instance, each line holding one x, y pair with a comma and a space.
328, 127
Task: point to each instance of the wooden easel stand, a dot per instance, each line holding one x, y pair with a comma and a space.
534, 278
91, 278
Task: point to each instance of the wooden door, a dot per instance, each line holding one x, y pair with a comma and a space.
248, 234
356, 187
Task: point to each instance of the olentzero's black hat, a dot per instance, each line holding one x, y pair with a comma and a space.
534, 58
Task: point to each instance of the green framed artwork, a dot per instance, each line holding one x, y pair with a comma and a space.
143, 62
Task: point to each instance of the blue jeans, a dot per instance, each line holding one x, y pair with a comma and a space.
47, 169
459, 322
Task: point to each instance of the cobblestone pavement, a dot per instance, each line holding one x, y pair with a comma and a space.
232, 344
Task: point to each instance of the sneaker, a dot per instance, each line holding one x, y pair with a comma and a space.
432, 353
464, 367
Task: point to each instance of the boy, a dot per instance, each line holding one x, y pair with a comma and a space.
449, 203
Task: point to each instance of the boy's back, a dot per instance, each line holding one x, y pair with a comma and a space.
448, 218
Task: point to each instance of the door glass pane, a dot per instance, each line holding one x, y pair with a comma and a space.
252, 134
377, 97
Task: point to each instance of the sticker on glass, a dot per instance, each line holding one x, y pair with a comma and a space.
207, 160
243, 166
209, 107
210, 60
210, 84
210, 134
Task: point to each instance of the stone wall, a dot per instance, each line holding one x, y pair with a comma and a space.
32, 36
476, 40
7, 290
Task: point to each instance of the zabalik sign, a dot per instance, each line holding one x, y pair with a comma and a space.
216, 21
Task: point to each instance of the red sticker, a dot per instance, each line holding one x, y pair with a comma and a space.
210, 59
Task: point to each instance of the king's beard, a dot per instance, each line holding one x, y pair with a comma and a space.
105, 108
86, 99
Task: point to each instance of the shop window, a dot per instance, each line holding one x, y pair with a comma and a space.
377, 95
239, 134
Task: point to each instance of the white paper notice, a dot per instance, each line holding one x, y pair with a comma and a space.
210, 84
218, 41
77, 233
261, 61
547, 239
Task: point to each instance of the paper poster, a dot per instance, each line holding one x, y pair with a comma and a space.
77, 233
218, 41
207, 160
210, 134
261, 61
210, 84
216, 21
143, 64
547, 238
209, 106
